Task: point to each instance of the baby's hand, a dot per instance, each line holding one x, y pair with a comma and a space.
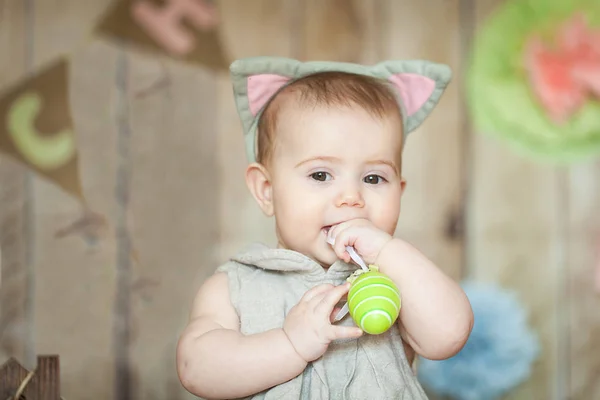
361, 234
308, 324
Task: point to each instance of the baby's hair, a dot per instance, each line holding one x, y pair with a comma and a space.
341, 89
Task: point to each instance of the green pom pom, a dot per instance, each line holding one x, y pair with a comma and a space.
374, 301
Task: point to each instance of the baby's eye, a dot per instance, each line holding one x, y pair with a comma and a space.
373, 179
320, 176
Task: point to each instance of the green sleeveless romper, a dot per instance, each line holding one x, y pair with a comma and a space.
265, 283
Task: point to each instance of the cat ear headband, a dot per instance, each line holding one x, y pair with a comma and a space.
419, 85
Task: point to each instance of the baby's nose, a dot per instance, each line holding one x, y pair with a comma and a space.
351, 197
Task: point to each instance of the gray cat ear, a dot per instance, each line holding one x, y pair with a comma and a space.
420, 85
255, 81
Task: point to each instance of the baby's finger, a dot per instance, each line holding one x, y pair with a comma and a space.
316, 291
343, 240
331, 299
333, 232
343, 332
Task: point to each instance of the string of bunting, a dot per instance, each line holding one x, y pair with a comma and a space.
38, 129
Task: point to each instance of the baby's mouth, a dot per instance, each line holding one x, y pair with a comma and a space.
326, 229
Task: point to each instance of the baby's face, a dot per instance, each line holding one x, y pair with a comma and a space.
332, 165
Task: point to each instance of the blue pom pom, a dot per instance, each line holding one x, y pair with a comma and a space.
497, 356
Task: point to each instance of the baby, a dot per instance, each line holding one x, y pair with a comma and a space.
325, 144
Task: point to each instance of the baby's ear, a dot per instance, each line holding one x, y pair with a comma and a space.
402, 186
420, 85
258, 181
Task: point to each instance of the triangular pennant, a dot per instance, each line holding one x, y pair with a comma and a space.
182, 29
37, 129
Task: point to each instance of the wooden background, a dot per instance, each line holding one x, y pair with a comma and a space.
166, 167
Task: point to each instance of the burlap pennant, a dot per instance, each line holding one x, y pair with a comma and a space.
181, 29
37, 129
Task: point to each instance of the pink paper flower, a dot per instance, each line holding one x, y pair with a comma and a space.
565, 75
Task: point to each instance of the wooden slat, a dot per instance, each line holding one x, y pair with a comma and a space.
15, 306
431, 215
581, 272
333, 30
250, 28
13, 42
123, 280
173, 191
75, 279
373, 44
515, 240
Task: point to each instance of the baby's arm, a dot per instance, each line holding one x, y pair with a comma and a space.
215, 361
436, 317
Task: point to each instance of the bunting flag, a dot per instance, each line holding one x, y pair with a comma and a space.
37, 128
181, 29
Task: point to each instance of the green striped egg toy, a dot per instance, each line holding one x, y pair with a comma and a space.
373, 301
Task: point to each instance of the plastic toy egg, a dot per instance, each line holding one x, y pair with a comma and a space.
373, 301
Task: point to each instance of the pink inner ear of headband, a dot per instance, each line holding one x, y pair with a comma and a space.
414, 90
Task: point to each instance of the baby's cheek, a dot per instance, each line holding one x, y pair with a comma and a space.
296, 223
294, 210
385, 217
301, 206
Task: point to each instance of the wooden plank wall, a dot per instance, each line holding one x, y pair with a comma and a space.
515, 240
166, 166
